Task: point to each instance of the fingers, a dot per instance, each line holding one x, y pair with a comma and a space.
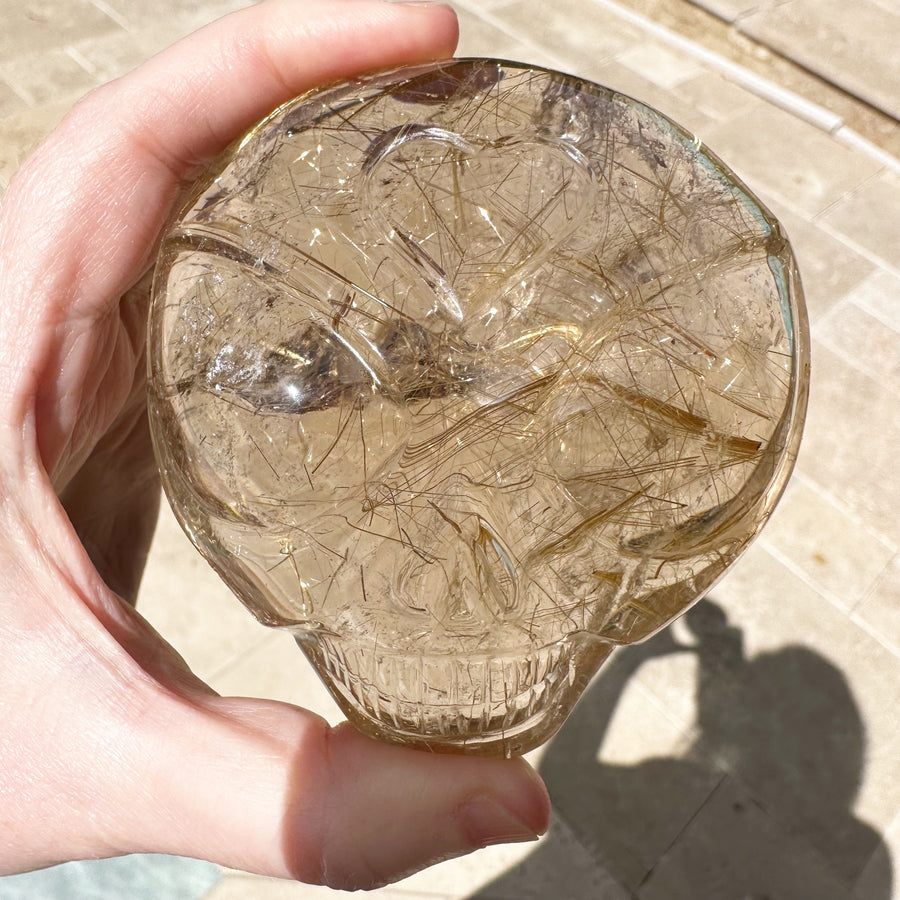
111, 747
120, 156
392, 811
225, 77
142, 757
81, 220
274, 790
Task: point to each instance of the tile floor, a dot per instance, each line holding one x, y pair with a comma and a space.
764, 759
847, 43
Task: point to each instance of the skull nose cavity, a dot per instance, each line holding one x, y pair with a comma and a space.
471, 581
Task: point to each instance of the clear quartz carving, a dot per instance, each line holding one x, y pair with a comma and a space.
466, 374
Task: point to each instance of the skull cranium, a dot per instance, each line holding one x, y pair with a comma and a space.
466, 374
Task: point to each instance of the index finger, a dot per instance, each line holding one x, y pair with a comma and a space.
119, 158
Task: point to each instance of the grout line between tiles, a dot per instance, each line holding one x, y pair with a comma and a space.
785, 99
844, 303
859, 363
781, 97
686, 730
884, 831
73, 53
813, 485
845, 239
107, 10
849, 612
870, 630
236, 659
716, 788
21, 93
857, 617
855, 141
522, 37
845, 609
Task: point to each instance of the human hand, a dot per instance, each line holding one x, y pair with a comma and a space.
109, 744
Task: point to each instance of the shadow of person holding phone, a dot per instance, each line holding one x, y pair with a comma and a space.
760, 807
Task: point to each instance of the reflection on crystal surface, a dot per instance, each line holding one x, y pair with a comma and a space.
466, 374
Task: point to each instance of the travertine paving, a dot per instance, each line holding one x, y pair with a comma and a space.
852, 45
754, 750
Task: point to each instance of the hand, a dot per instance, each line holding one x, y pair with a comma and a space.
109, 744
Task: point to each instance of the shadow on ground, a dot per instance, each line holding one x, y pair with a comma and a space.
759, 808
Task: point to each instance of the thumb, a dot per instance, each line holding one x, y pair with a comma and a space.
269, 788
111, 746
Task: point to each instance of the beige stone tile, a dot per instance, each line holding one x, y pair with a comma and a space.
618, 772
43, 25
475, 5
865, 341
880, 874
480, 38
717, 97
733, 848
729, 10
660, 65
583, 47
137, 15
146, 29
670, 103
823, 722
10, 101
829, 269
235, 886
879, 295
111, 55
853, 45
880, 609
868, 217
238, 886
187, 603
559, 866
775, 151
797, 723
276, 669
662, 718
791, 724
21, 133
644, 724
825, 544
208, 11
47, 76
670, 683
850, 442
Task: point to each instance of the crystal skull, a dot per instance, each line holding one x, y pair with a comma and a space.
465, 374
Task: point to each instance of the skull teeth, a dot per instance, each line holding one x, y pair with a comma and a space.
434, 699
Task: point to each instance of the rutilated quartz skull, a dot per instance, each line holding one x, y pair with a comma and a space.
466, 374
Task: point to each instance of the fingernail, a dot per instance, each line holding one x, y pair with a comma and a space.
488, 822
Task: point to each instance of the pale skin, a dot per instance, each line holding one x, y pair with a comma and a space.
109, 744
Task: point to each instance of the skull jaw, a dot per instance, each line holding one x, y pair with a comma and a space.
494, 705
